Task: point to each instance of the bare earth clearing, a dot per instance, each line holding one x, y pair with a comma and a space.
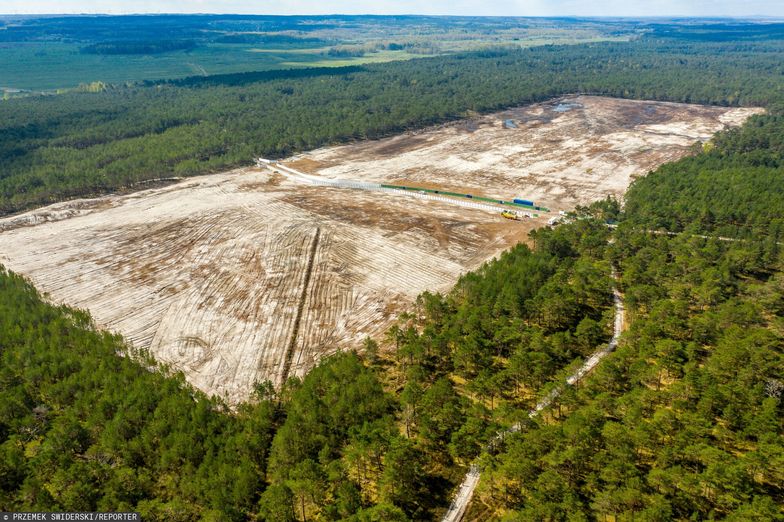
562, 153
244, 276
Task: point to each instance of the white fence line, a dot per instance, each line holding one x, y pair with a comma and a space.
375, 187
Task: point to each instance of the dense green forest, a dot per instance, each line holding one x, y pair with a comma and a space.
84, 429
86, 143
46, 54
143, 47
685, 421
733, 189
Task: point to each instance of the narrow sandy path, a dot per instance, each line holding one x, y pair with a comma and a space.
466, 490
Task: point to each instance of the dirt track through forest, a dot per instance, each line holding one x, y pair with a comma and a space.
464, 494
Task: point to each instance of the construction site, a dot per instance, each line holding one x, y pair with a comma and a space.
255, 274
559, 154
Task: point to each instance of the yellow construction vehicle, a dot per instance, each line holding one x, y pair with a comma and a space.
508, 214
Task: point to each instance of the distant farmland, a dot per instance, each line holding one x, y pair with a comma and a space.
51, 66
51, 53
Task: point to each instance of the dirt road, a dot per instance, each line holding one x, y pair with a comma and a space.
465, 492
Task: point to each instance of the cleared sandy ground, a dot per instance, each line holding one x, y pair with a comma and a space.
209, 273
565, 152
245, 276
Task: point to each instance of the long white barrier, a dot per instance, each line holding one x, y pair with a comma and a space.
362, 185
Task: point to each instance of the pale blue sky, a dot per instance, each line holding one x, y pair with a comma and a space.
451, 7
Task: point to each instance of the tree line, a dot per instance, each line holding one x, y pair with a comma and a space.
76, 144
685, 421
383, 438
139, 47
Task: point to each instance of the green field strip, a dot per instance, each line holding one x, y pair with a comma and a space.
468, 196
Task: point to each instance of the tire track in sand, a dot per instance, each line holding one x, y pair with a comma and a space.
300, 307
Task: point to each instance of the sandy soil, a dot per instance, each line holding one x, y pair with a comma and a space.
244, 276
563, 153
209, 274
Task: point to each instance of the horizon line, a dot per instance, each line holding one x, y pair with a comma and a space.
594, 17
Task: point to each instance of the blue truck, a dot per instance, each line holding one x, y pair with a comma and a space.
523, 202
